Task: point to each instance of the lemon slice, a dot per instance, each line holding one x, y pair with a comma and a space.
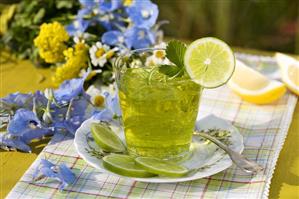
289, 68
161, 167
124, 165
254, 87
209, 62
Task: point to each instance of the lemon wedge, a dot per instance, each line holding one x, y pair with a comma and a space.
289, 68
253, 86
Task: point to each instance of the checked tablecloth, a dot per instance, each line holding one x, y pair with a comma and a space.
264, 129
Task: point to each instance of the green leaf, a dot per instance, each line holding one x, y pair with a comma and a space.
175, 52
169, 70
39, 15
63, 4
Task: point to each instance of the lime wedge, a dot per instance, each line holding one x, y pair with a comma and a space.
209, 62
161, 167
106, 139
124, 165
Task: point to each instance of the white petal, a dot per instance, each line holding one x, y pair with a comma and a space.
94, 62
106, 48
99, 44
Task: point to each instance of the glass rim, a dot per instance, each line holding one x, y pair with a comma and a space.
117, 67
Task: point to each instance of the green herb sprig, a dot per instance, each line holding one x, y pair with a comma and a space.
175, 52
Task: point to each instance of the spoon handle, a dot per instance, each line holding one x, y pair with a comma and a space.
215, 141
242, 162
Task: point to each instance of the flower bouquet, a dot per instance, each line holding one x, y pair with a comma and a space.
100, 32
81, 51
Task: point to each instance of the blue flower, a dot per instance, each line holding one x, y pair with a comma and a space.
16, 100
70, 89
9, 142
37, 133
139, 37
40, 99
66, 175
111, 20
111, 111
109, 6
136, 37
77, 27
58, 172
23, 128
23, 121
113, 38
143, 13
73, 117
27, 126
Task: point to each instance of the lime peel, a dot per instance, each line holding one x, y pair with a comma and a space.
161, 167
125, 165
106, 139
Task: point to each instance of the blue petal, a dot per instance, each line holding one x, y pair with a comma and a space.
108, 6
22, 122
84, 11
140, 37
70, 89
48, 172
79, 107
105, 115
13, 142
115, 107
138, 10
36, 134
17, 100
77, 27
71, 126
112, 38
40, 99
76, 116
46, 163
66, 174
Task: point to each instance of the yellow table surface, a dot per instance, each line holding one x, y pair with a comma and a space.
22, 76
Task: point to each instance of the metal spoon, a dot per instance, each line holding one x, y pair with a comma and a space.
242, 162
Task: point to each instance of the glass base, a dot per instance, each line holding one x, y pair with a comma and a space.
174, 153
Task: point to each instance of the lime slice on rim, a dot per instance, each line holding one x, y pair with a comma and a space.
106, 139
209, 62
124, 165
161, 167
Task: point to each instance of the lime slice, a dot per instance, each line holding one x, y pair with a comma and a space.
209, 62
124, 165
161, 167
106, 138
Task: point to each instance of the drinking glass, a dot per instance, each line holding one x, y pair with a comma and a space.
158, 112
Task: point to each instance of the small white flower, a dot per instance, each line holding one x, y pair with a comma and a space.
158, 57
98, 54
80, 37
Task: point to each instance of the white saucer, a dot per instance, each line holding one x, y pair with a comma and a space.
206, 158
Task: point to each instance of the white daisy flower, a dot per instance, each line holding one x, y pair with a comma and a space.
80, 37
98, 54
158, 57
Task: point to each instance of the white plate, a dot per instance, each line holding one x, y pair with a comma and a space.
207, 158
